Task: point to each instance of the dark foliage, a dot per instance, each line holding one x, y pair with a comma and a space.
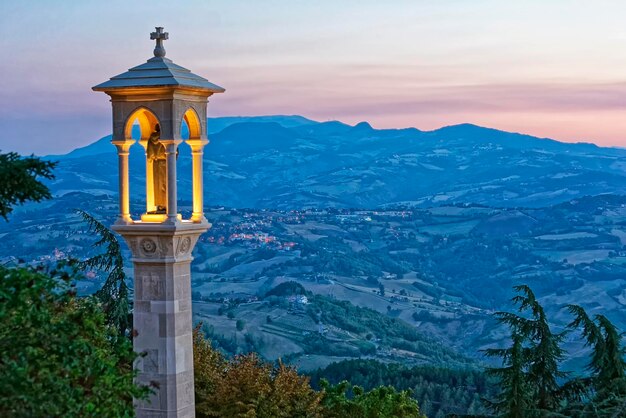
114, 292
604, 392
20, 179
58, 358
345, 400
531, 383
287, 289
437, 390
530, 373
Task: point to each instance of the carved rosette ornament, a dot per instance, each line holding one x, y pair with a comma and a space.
177, 247
148, 246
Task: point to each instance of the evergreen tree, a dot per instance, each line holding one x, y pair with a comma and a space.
19, 177
114, 292
515, 399
534, 358
605, 389
449, 390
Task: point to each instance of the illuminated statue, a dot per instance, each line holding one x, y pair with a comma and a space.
156, 154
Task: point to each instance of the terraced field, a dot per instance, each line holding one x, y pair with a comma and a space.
442, 271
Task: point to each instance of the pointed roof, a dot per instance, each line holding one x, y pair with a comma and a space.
159, 71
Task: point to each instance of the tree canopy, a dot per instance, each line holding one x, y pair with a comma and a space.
380, 402
20, 180
57, 355
247, 386
531, 381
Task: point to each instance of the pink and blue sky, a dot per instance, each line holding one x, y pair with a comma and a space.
547, 68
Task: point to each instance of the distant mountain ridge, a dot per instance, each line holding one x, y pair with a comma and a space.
293, 162
103, 145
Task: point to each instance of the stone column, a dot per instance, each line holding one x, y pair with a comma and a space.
123, 147
197, 146
162, 318
172, 205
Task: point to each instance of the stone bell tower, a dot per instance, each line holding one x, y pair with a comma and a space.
160, 95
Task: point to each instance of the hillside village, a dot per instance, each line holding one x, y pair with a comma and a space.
392, 261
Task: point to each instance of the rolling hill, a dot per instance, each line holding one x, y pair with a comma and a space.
431, 229
290, 162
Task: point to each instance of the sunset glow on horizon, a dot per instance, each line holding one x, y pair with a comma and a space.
554, 69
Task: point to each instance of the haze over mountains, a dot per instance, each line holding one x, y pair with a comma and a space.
430, 228
293, 162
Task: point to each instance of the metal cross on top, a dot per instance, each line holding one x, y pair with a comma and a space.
160, 36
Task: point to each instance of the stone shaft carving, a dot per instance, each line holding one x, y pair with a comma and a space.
162, 315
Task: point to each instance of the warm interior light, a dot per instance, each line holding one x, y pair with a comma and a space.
157, 217
193, 123
196, 143
147, 121
153, 217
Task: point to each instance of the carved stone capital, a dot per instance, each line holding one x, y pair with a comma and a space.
197, 145
123, 146
150, 244
169, 248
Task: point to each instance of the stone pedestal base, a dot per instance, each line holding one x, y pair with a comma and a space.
162, 314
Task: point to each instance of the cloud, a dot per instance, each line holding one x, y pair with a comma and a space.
424, 96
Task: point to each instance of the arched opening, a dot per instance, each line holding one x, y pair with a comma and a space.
191, 131
144, 126
145, 119
184, 173
194, 127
